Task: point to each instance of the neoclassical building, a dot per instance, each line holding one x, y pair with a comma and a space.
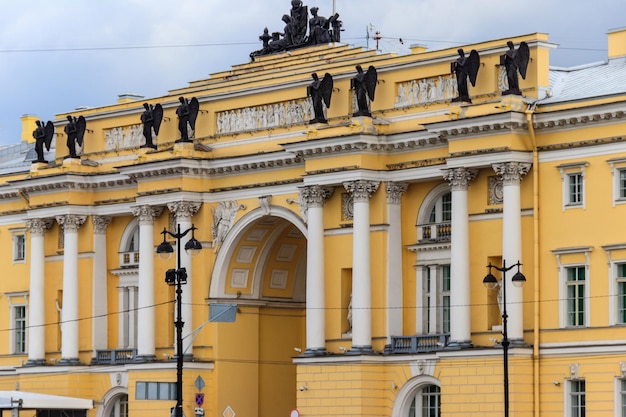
354, 251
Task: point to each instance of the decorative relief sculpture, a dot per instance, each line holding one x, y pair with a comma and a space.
464, 68
265, 117
43, 135
123, 137
426, 90
514, 61
75, 131
223, 220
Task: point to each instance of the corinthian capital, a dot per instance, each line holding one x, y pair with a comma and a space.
146, 214
38, 227
183, 210
395, 191
511, 172
100, 224
459, 178
71, 222
361, 190
315, 195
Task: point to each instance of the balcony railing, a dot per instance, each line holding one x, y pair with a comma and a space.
129, 259
114, 356
436, 232
419, 344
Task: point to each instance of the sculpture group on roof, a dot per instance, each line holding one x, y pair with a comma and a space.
294, 35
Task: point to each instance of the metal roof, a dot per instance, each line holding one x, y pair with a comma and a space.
588, 81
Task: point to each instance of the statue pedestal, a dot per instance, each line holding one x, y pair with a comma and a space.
183, 149
512, 103
36, 166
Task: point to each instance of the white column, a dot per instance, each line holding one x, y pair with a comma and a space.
361, 192
145, 302
69, 316
36, 305
184, 210
394, 259
313, 197
460, 330
99, 321
511, 174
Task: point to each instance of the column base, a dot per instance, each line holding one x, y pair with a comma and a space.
69, 361
458, 345
310, 352
144, 358
517, 343
360, 350
35, 362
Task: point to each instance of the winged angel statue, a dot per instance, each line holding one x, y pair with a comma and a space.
364, 85
151, 119
514, 61
320, 92
187, 113
465, 67
43, 137
75, 130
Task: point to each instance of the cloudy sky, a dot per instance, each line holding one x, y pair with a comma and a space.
58, 55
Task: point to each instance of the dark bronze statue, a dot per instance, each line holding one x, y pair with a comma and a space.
320, 28
320, 92
514, 61
294, 35
75, 131
465, 67
187, 113
151, 119
364, 85
43, 137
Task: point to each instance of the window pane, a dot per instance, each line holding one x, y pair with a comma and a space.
140, 391
577, 395
164, 391
622, 183
446, 207
153, 391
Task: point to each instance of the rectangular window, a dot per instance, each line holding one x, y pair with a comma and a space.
575, 182
19, 329
155, 391
430, 401
19, 247
622, 184
621, 293
429, 320
575, 282
577, 398
622, 398
445, 299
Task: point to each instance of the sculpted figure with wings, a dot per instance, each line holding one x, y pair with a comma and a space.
364, 85
465, 67
320, 92
187, 113
514, 61
43, 136
151, 119
75, 131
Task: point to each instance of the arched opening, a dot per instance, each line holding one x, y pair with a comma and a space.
419, 397
114, 403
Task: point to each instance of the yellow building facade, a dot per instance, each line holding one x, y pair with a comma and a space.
353, 250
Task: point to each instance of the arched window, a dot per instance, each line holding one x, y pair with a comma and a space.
435, 215
419, 397
120, 407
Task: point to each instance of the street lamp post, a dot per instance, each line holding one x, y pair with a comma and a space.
491, 282
177, 277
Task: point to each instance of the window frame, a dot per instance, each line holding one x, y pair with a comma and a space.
567, 258
412, 389
618, 166
18, 244
157, 387
569, 171
570, 395
436, 319
18, 300
615, 255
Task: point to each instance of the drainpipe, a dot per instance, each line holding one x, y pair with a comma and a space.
531, 130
